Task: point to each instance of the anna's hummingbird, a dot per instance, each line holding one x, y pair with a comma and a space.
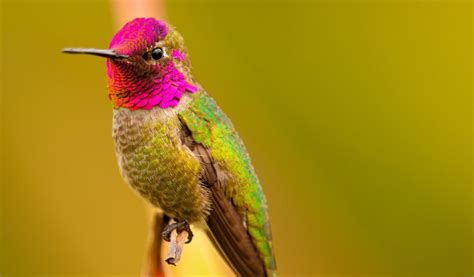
177, 148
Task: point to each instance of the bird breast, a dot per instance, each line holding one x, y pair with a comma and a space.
155, 163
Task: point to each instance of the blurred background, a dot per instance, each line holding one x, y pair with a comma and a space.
357, 116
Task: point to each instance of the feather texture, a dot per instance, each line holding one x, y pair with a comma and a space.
239, 210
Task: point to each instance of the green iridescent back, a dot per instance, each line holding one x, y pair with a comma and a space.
212, 128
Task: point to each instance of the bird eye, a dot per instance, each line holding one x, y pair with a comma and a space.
157, 53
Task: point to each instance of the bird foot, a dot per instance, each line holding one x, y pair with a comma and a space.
179, 227
176, 233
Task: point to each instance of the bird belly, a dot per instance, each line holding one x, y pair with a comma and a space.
155, 163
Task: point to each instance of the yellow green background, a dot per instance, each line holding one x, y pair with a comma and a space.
357, 115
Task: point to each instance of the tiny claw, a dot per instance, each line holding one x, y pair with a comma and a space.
179, 226
190, 235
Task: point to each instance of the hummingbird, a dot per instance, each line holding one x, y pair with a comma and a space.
179, 150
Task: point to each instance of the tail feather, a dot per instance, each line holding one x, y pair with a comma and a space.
229, 234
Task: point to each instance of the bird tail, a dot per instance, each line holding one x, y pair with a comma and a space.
231, 238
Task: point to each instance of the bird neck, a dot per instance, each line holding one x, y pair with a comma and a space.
163, 86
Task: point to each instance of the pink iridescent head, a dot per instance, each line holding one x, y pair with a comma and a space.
147, 65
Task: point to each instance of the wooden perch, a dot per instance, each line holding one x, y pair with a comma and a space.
176, 245
153, 266
126, 10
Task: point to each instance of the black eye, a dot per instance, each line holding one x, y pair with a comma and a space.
157, 53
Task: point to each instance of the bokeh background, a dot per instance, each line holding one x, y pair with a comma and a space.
357, 115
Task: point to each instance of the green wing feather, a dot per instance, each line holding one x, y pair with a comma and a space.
212, 128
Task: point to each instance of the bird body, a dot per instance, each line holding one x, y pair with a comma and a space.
155, 162
178, 149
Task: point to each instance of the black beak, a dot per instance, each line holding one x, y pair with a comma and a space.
106, 53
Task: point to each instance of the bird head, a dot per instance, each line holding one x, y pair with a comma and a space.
147, 65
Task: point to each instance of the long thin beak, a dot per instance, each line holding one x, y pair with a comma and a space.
106, 53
